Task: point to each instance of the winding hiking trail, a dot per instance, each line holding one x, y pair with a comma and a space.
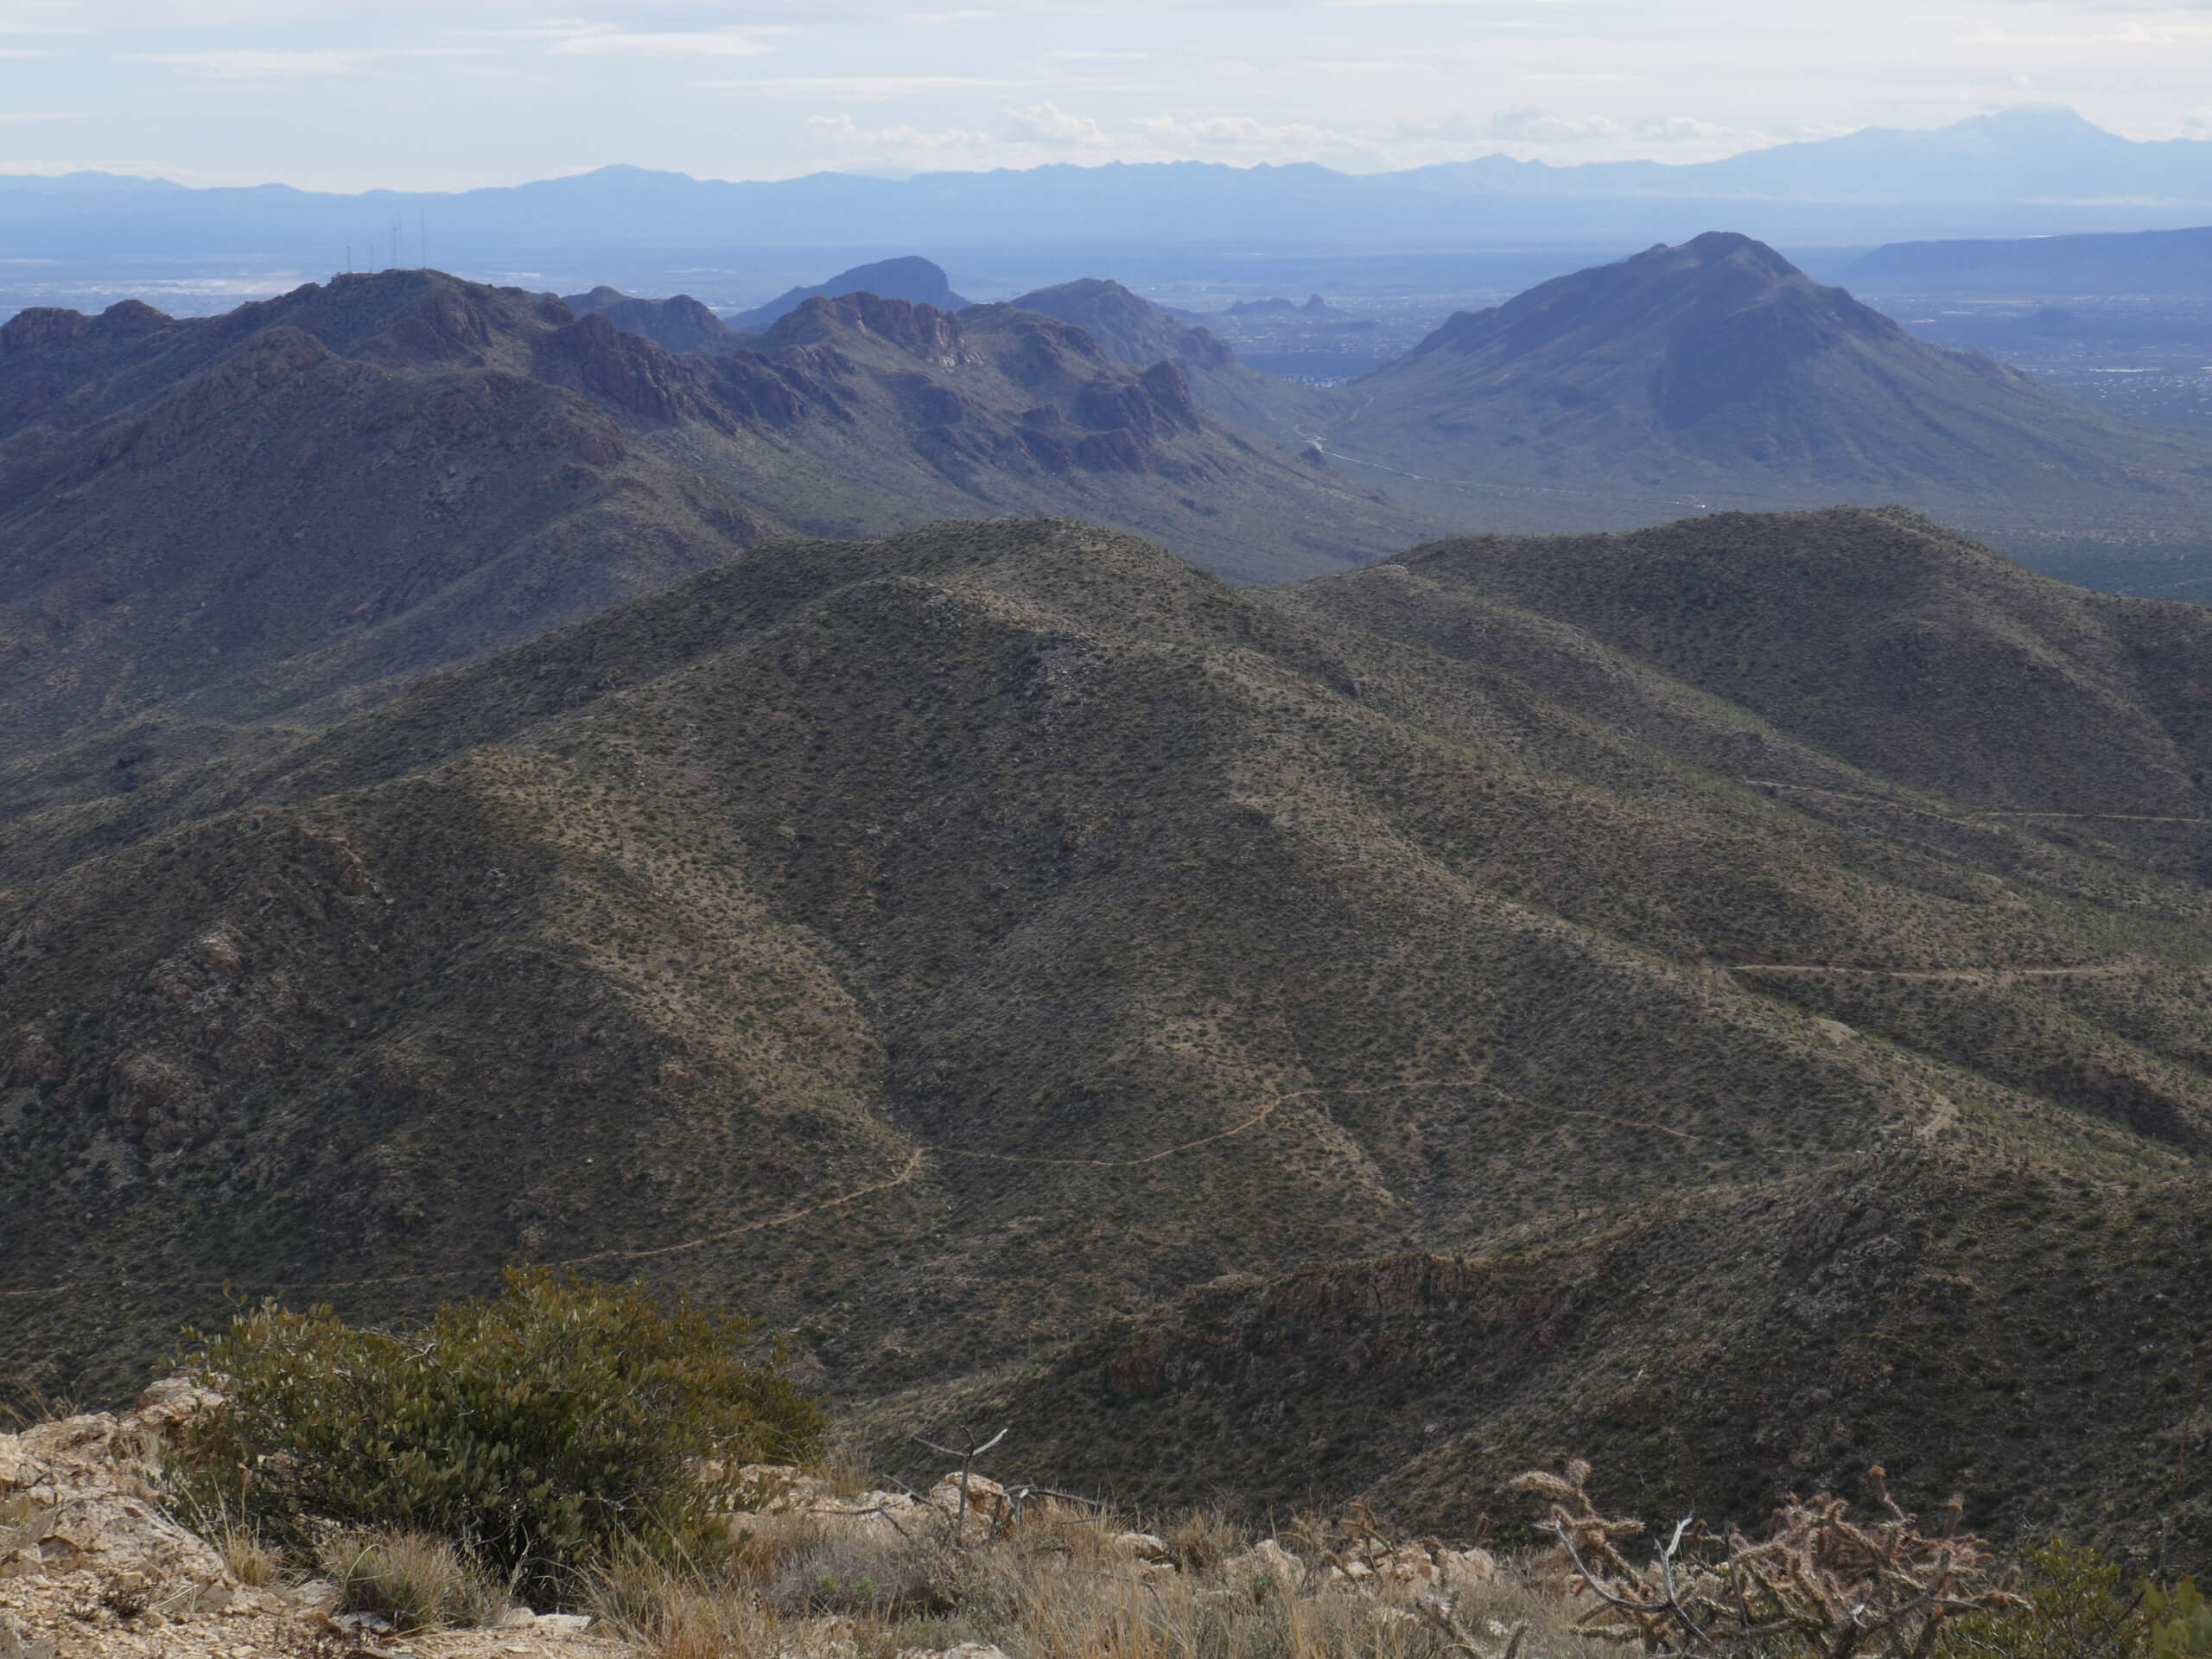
1251, 1123
1999, 976
916, 1161
1966, 815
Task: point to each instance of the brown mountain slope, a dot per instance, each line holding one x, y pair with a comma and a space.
954, 944
1716, 372
1888, 640
319, 497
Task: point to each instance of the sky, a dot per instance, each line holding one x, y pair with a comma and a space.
413, 95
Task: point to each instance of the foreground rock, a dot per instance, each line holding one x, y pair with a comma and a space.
81, 1497
92, 1563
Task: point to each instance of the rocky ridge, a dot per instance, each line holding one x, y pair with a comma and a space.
301, 506
93, 1563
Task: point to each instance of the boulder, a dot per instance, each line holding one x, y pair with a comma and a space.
1267, 1561
987, 1503
1142, 1546
1424, 1567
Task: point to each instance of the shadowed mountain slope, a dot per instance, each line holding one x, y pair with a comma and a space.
320, 496
960, 946
1718, 367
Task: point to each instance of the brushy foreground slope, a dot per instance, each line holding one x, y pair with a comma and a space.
962, 946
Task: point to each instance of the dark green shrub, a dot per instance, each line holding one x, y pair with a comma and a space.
533, 1430
2080, 1606
2180, 1621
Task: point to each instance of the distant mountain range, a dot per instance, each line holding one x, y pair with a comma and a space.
2020, 172
2174, 263
2022, 156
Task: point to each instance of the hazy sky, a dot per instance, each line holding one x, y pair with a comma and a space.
449, 93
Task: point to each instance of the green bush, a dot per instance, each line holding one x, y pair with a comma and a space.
2080, 1606
533, 1430
2181, 1622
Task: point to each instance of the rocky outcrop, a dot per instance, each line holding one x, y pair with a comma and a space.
679, 323
41, 325
630, 371
265, 362
82, 1488
921, 329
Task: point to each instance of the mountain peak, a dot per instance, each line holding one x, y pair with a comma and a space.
1717, 358
1668, 297
909, 277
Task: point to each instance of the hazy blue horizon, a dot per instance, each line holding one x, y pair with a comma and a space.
412, 97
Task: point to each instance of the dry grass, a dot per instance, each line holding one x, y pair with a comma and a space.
250, 1561
1063, 1587
417, 1581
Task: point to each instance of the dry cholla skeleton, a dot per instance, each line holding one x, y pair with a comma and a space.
1877, 1589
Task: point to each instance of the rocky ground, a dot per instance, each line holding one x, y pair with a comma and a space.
91, 1564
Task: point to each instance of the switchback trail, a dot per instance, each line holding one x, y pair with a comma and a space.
1251, 1123
1974, 975
1967, 815
913, 1165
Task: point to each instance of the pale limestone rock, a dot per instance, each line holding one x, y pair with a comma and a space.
1426, 1566
1466, 1569
84, 1482
1266, 1560
988, 1504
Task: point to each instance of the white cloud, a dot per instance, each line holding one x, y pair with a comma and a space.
841, 129
1242, 132
869, 86
1683, 130
1048, 123
1531, 125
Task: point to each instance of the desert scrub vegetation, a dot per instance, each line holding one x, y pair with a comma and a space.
1823, 1585
884, 1574
532, 1432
